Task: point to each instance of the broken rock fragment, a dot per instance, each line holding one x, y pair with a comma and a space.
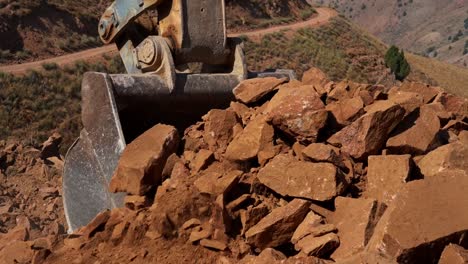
386, 175
298, 112
318, 246
346, 111
416, 134
445, 159
252, 90
425, 216
289, 177
304, 229
354, 219
278, 227
368, 134
317, 78
142, 162
320, 152
427, 92
256, 136
454, 254
219, 128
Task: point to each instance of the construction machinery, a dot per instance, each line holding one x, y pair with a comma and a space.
179, 62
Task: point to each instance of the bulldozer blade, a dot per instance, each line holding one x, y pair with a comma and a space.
91, 160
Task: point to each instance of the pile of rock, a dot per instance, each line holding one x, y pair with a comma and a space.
31, 210
295, 172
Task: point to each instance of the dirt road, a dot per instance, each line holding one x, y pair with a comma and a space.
322, 17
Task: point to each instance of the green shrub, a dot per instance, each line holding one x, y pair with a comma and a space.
50, 66
396, 61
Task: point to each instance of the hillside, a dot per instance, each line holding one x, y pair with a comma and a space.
38, 29
434, 28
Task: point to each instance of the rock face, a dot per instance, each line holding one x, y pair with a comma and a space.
298, 112
250, 91
368, 134
417, 138
451, 158
423, 219
142, 162
278, 226
256, 136
354, 219
289, 177
386, 175
454, 254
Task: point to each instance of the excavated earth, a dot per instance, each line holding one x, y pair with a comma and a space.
309, 171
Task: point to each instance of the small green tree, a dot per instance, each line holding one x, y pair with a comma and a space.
396, 61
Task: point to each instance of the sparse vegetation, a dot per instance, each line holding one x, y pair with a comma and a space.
34, 105
396, 61
336, 48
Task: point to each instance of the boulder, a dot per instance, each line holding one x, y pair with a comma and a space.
354, 219
344, 90
289, 177
425, 216
453, 104
386, 175
427, 92
408, 100
368, 134
298, 112
346, 111
454, 254
219, 128
252, 90
311, 221
278, 227
317, 78
142, 162
416, 134
202, 159
318, 246
216, 183
256, 136
320, 152
448, 158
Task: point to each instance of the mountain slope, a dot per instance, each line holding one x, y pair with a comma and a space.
435, 28
38, 29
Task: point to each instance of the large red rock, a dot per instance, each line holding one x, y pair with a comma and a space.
311, 221
344, 90
320, 152
318, 246
416, 134
408, 100
256, 136
278, 227
386, 175
425, 216
454, 254
289, 177
368, 134
354, 220
347, 110
298, 112
426, 91
317, 78
445, 159
219, 128
252, 90
142, 162
453, 104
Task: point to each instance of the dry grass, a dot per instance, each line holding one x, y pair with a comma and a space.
451, 78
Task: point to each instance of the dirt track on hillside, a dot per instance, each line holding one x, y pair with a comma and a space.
324, 14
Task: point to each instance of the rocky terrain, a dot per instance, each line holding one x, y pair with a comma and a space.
434, 28
310, 171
